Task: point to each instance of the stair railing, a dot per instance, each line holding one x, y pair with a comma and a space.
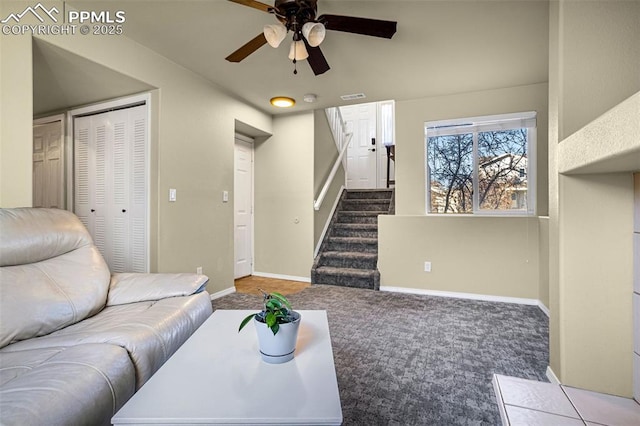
342, 139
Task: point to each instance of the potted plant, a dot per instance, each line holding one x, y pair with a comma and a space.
277, 327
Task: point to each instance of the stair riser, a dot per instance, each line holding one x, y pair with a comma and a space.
347, 218
345, 281
366, 207
359, 247
341, 262
380, 195
346, 232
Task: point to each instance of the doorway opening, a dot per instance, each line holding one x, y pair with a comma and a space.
371, 153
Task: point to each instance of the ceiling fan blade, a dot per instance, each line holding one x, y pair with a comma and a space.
256, 43
255, 4
316, 59
364, 26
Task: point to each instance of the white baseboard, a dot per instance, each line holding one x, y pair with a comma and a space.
226, 291
282, 277
552, 376
471, 296
326, 225
544, 309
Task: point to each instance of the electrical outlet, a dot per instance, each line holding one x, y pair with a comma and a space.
427, 266
199, 270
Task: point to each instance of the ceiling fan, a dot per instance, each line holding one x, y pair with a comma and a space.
299, 17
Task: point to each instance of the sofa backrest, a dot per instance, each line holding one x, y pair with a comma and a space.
51, 273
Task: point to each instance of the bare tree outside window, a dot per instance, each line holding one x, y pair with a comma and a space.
502, 164
501, 157
450, 162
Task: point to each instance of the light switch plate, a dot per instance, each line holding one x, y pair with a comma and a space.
225, 196
172, 194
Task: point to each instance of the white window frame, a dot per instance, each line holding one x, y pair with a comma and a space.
475, 125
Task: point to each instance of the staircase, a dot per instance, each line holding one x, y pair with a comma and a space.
348, 255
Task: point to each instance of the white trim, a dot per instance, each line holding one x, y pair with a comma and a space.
244, 138
471, 296
100, 107
49, 119
544, 309
326, 225
282, 277
552, 376
221, 293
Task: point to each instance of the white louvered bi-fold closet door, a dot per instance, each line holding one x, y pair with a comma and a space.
110, 185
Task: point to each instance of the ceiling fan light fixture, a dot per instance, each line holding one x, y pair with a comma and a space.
274, 34
282, 102
314, 32
298, 51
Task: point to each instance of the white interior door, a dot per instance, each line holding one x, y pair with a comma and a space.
243, 207
48, 165
361, 154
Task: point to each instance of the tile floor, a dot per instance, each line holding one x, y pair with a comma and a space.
527, 402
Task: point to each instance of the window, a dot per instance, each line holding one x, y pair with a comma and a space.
482, 165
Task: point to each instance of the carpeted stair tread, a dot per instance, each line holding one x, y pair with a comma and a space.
353, 240
358, 226
373, 194
350, 254
346, 272
362, 212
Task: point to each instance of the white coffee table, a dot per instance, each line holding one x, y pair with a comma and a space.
218, 377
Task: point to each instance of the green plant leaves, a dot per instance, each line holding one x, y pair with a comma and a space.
282, 299
277, 310
246, 321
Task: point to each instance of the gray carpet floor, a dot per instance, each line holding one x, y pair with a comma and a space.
421, 360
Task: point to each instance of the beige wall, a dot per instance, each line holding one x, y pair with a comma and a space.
480, 255
600, 58
16, 116
284, 195
194, 148
324, 156
594, 62
543, 259
596, 276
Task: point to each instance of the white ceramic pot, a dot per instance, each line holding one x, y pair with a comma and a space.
278, 348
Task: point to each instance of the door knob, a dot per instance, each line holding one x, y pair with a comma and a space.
124, 210
93, 210
372, 149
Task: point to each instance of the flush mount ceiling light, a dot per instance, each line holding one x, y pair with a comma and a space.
299, 17
282, 102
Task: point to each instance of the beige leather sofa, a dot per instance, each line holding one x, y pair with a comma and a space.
75, 341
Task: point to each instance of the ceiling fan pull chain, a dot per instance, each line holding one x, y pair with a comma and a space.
295, 67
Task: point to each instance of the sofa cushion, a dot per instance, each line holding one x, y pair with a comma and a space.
150, 331
30, 235
79, 385
67, 281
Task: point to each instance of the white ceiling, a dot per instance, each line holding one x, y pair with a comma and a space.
440, 48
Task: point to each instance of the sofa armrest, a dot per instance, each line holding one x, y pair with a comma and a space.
135, 287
